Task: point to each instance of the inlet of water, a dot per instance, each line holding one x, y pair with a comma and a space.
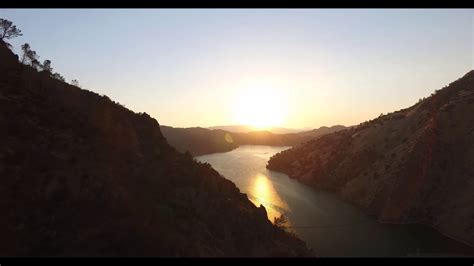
328, 225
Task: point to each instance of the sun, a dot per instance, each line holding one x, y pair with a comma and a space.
259, 107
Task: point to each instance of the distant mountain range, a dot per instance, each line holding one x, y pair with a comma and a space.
247, 128
199, 141
415, 165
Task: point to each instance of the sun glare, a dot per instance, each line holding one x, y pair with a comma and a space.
263, 192
261, 108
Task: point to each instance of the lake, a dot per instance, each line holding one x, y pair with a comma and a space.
327, 224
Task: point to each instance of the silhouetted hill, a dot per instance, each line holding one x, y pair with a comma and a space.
82, 175
290, 139
246, 129
413, 165
199, 141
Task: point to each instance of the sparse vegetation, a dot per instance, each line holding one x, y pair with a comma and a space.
29, 57
58, 77
74, 82
47, 66
280, 221
8, 31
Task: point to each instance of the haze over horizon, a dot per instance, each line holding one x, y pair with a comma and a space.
283, 68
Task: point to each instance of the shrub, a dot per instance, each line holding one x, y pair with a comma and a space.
280, 221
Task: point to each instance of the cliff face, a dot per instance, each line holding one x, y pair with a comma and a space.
199, 141
413, 165
82, 175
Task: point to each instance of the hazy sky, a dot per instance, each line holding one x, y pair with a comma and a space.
195, 67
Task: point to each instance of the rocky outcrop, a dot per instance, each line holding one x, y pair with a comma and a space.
413, 165
81, 175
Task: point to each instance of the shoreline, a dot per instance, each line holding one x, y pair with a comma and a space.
238, 146
377, 219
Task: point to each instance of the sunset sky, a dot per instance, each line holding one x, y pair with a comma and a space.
291, 68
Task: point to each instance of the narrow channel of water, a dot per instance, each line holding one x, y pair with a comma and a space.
328, 225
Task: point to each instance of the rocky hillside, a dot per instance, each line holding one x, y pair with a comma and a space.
82, 175
413, 165
199, 141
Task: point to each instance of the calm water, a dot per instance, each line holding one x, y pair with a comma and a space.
328, 225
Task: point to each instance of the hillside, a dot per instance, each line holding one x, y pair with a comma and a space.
413, 165
81, 175
199, 141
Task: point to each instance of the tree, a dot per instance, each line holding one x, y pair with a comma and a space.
47, 66
8, 30
34, 58
29, 56
74, 82
280, 221
25, 48
58, 76
36, 64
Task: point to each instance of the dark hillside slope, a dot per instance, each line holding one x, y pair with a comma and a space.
197, 140
413, 165
82, 175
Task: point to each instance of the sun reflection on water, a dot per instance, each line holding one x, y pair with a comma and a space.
263, 192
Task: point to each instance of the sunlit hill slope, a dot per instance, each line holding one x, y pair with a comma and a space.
412, 165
